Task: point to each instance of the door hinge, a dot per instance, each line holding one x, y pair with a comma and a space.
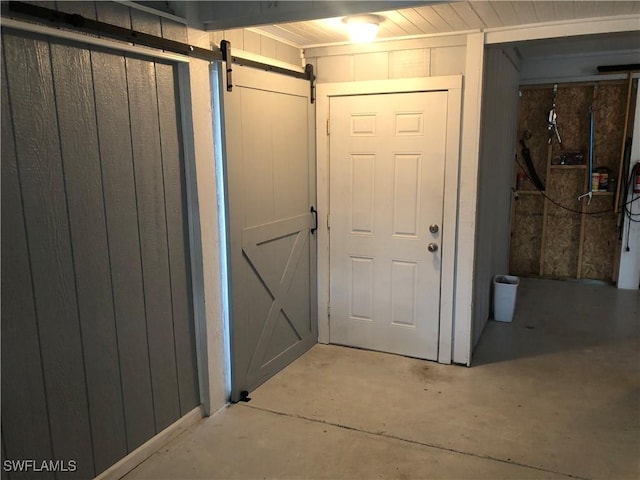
328, 309
328, 221
328, 128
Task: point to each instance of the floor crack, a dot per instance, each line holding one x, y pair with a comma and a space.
414, 442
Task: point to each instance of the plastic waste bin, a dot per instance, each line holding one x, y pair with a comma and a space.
505, 289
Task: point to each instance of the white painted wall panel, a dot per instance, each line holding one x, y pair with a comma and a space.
410, 63
438, 56
371, 66
388, 46
267, 47
287, 53
629, 276
335, 69
495, 177
236, 37
250, 41
448, 60
468, 199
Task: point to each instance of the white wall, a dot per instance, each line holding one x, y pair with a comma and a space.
495, 178
212, 331
245, 40
629, 277
425, 57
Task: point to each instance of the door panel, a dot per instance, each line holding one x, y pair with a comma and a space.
270, 187
387, 156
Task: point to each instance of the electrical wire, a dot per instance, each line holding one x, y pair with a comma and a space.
579, 211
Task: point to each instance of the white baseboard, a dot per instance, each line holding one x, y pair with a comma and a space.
144, 451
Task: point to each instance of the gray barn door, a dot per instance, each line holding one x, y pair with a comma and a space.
98, 346
270, 168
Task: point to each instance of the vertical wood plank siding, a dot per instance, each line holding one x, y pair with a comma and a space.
147, 162
36, 131
89, 236
24, 389
5, 473
173, 172
98, 341
497, 149
114, 131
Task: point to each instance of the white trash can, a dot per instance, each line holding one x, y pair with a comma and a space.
505, 289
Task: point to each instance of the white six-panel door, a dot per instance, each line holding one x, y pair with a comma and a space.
387, 159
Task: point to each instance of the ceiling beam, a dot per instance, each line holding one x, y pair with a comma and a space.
221, 15
567, 28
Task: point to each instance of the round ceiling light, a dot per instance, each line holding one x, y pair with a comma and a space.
362, 28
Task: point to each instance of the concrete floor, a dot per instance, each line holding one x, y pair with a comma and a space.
555, 394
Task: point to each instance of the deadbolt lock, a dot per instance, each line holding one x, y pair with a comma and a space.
433, 247
433, 228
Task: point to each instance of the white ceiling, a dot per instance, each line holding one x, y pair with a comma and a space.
447, 17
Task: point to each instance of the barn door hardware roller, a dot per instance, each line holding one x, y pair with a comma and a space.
309, 75
225, 47
82, 24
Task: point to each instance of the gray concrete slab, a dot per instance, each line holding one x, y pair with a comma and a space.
554, 394
244, 443
557, 389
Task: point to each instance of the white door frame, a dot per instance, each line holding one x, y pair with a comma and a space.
453, 84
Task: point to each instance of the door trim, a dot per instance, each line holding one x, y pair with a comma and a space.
452, 84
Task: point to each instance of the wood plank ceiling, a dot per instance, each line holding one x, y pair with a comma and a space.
447, 17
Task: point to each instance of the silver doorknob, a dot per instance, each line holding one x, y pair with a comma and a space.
433, 247
433, 228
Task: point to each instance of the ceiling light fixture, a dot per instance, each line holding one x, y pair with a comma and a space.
362, 28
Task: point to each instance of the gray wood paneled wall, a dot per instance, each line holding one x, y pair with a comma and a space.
98, 342
495, 179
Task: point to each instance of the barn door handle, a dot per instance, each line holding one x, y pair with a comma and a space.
314, 212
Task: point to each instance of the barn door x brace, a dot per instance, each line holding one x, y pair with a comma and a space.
86, 25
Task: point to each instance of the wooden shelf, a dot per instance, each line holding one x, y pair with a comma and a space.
569, 167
